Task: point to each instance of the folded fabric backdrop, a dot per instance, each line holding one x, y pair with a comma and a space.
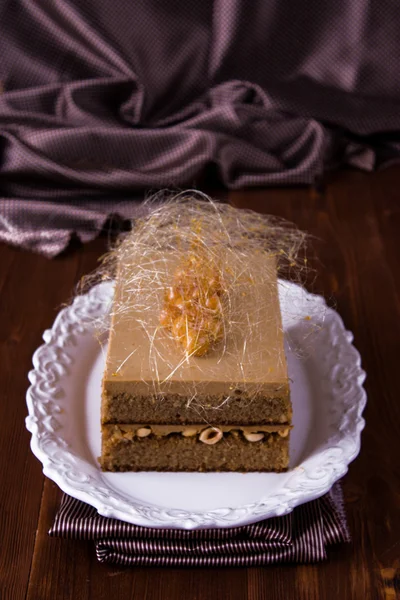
302, 536
114, 97
46, 227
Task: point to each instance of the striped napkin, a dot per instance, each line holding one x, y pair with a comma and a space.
302, 536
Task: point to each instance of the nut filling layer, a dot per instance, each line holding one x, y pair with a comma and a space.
206, 434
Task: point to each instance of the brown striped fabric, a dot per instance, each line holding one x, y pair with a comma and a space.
303, 536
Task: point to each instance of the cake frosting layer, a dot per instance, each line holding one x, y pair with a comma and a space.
148, 378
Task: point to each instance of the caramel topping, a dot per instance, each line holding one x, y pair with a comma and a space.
192, 310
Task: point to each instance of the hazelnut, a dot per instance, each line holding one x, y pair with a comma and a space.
210, 436
143, 432
213, 303
284, 432
189, 432
253, 437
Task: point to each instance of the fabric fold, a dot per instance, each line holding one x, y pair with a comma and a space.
149, 95
46, 227
302, 536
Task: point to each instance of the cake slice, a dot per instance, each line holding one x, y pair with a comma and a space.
226, 410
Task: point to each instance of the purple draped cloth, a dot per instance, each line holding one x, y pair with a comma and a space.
46, 226
103, 97
106, 99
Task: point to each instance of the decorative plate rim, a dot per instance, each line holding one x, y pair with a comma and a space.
77, 477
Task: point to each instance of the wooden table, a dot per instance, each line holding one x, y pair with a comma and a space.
356, 219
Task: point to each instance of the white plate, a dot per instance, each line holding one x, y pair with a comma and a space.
64, 419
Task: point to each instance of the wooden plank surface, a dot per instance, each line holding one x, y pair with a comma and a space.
356, 224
